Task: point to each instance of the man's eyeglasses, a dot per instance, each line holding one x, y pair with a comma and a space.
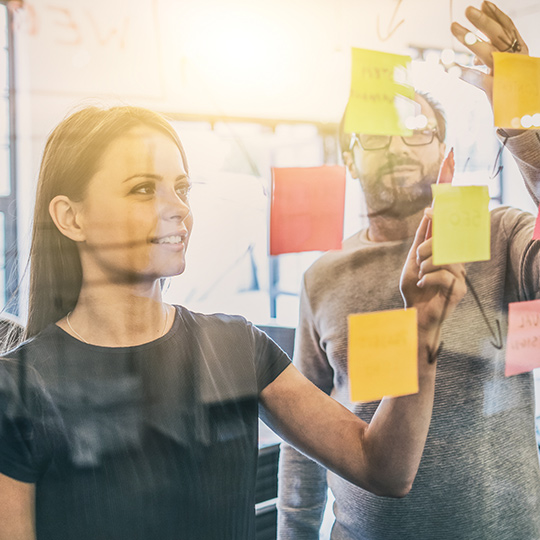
419, 137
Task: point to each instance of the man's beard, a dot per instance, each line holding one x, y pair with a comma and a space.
390, 197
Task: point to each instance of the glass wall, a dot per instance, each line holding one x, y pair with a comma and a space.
230, 162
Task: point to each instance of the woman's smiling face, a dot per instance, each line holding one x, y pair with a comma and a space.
135, 216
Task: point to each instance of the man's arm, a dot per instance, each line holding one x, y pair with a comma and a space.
302, 494
525, 149
523, 252
503, 36
302, 485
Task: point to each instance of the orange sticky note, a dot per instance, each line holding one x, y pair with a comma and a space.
381, 101
382, 354
523, 342
516, 90
536, 233
307, 209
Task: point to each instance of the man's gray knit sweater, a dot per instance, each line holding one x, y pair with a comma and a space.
479, 477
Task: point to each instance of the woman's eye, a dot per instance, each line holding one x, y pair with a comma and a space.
144, 189
183, 191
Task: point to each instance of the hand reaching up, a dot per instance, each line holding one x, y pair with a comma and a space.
502, 35
433, 290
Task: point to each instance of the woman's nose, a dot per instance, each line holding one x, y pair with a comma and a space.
173, 206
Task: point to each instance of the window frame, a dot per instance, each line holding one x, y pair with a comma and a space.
8, 203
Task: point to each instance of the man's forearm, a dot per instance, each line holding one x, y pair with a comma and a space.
302, 490
525, 148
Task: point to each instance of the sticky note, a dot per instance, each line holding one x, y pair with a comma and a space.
516, 90
461, 224
381, 100
536, 233
523, 341
307, 209
382, 354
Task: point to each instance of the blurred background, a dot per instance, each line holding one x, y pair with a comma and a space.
249, 85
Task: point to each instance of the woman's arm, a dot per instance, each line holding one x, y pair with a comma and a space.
16, 509
383, 456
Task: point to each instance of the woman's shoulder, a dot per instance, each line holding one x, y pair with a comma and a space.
31, 429
212, 320
35, 347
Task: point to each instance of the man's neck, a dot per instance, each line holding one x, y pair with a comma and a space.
389, 229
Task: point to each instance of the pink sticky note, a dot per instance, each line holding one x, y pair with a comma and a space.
523, 342
536, 234
307, 209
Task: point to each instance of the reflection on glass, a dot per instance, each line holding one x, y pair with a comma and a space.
2, 261
5, 184
3, 26
230, 199
4, 77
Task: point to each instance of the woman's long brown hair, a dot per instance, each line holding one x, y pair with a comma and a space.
70, 159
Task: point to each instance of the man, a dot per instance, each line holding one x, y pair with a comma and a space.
479, 477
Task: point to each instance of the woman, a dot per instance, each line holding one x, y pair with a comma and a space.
125, 417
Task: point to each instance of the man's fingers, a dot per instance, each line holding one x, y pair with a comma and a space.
480, 48
424, 250
446, 282
427, 267
421, 231
501, 38
491, 10
506, 23
419, 237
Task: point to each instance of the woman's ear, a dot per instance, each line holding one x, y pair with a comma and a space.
65, 214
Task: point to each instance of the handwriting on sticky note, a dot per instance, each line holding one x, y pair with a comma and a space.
382, 354
307, 209
461, 224
380, 101
516, 90
523, 342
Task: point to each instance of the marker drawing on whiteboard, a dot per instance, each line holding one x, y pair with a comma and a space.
497, 160
446, 175
432, 355
391, 29
496, 335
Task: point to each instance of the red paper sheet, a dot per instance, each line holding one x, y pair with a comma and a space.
536, 234
307, 209
523, 342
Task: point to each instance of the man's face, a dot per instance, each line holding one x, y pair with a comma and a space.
397, 180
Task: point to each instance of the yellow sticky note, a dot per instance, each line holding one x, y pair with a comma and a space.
382, 354
461, 224
516, 90
381, 101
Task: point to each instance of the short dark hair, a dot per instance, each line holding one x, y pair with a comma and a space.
438, 111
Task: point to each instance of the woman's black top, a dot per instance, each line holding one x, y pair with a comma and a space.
157, 441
